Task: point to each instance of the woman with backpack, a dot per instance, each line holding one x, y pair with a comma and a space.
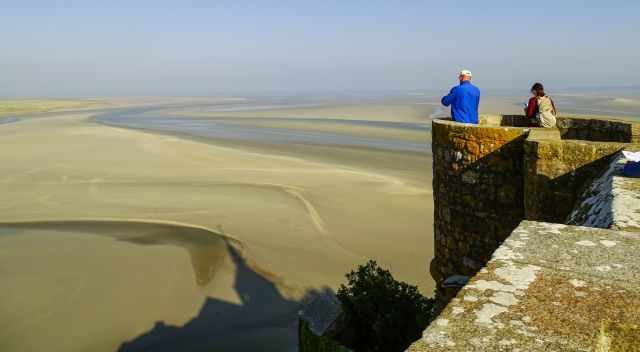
541, 110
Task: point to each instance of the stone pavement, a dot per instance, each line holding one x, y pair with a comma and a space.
549, 287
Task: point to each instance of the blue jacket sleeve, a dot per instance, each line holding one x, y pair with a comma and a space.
448, 99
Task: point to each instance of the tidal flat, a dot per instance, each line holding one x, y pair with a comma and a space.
205, 223
129, 236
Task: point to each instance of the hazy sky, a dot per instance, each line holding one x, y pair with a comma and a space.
92, 48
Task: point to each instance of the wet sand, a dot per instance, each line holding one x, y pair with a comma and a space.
408, 110
204, 224
118, 238
392, 136
4, 120
89, 285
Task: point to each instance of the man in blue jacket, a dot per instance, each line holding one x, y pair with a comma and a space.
464, 100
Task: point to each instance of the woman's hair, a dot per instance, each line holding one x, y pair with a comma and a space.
537, 86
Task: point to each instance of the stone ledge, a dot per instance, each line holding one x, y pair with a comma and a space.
570, 127
597, 128
551, 134
548, 287
478, 187
556, 171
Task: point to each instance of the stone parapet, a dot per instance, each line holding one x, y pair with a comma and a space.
478, 193
557, 170
488, 177
544, 275
549, 287
599, 129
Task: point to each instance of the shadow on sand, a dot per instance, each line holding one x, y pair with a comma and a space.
261, 318
265, 320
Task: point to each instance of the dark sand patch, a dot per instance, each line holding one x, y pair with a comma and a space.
107, 285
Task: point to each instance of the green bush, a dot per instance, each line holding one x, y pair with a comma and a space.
381, 313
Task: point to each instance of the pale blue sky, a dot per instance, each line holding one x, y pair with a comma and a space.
92, 48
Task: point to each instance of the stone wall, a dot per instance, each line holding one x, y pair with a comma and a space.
489, 177
504, 120
599, 130
478, 193
556, 172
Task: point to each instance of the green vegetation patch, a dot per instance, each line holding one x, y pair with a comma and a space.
310, 342
15, 107
380, 313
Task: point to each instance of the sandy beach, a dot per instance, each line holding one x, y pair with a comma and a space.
121, 239
206, 223
155, 223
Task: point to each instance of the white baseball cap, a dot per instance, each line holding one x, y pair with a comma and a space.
465, 73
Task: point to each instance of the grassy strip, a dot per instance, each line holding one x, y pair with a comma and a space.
14, 107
